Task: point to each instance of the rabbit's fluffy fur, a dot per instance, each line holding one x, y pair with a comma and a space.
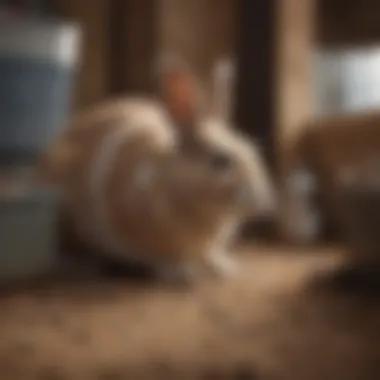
141, 189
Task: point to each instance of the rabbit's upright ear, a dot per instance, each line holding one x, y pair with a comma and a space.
223, 88
180, 90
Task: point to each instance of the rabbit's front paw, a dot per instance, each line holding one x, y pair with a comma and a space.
222, 265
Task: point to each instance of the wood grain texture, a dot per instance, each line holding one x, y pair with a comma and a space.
200, 30
348, 23
294, 44
92, 79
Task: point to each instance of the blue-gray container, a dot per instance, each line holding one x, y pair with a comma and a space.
37, 62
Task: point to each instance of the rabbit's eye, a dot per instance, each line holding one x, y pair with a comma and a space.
221, 162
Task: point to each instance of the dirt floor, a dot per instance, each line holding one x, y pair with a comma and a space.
279, 319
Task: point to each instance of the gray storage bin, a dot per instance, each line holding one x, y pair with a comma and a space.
37, 59
28, 232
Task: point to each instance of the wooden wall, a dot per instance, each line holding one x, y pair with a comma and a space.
133, 39
295, 43
123, 38
255, 90
200, 30
341, 22
92, 77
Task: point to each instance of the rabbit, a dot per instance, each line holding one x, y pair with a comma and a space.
209, 125
157, 181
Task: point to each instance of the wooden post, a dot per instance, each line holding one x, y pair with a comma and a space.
294, 98
274, 89
92, 16
133, 32
255, 113
201, 30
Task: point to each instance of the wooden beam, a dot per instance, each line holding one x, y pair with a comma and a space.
198, 31
274, 89
133, 49
256, 71
92, 83
294, 98
342, 22
117, 47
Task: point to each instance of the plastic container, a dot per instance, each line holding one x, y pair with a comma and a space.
37, 61
347, 80
28, 229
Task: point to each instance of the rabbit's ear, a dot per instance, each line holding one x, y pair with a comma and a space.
180, 90
223, 87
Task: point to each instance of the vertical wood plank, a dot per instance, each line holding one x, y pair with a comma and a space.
92, 78
117, 46
135, 45
294, 42
200, 30
256, 72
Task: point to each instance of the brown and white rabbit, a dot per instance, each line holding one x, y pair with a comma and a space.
156, 181
211, 128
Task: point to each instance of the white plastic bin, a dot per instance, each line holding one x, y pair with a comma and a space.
347, 80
